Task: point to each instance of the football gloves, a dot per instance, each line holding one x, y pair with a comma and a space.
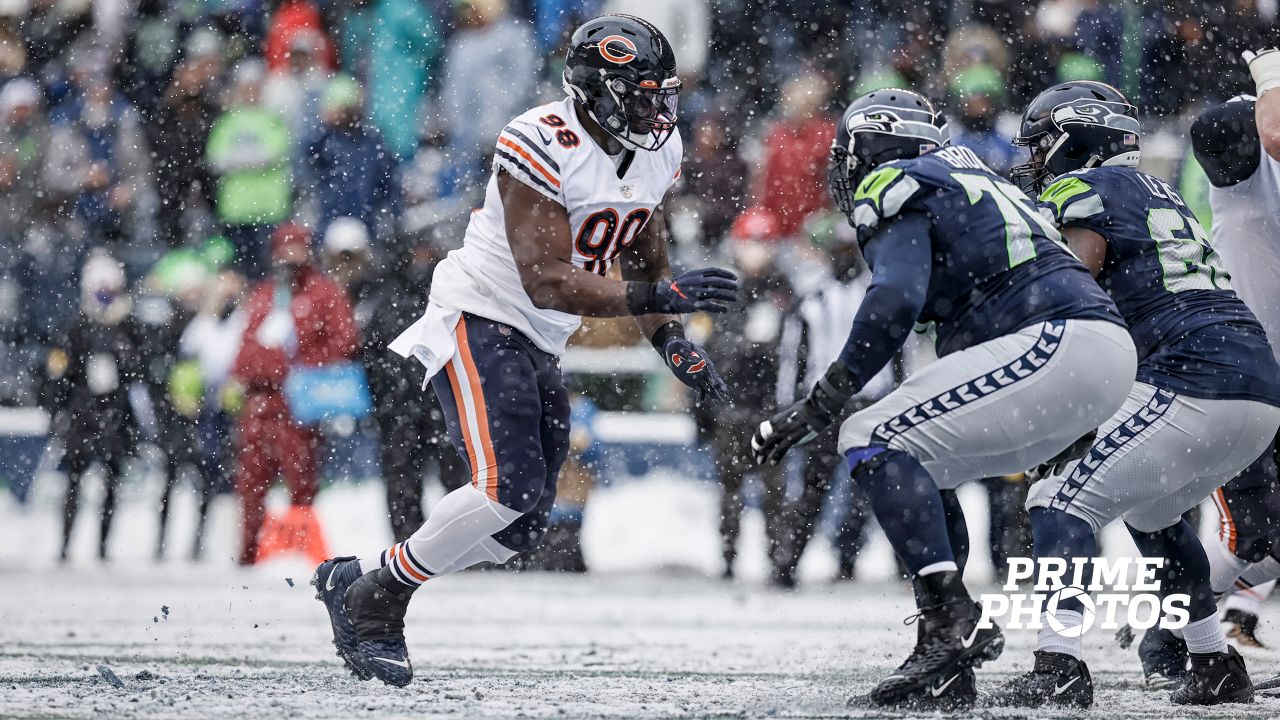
1264, 66
802, 422
691, 367
706, 290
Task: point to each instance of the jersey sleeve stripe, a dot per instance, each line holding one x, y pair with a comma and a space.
551, 163
511, 161
529, 158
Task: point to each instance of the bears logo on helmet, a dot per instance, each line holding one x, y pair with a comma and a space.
617, 49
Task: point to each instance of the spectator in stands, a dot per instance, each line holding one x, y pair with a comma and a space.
348, 168
249, 150
791, 183
411, 430
294, 18
296, 88
98, 163
178, 131
490, 76
95, 391
392, 47
713, 176
24, 145
746, 337
977, 94
297, 317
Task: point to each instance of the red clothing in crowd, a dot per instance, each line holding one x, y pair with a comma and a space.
269, 444
292, 17
793, 182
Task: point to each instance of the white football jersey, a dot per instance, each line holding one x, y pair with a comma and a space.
1246, 234
609, 200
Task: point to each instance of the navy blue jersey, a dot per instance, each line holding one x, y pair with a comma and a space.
1193, 333
998, 264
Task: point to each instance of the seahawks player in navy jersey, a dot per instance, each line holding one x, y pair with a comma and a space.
1206, 402
1033, 355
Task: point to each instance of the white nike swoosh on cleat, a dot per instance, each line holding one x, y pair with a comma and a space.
328, 584
1059, 689
943, 687
1221, 682
400, 663
968, 641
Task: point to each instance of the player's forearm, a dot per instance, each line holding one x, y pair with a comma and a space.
1267, 113
561, 286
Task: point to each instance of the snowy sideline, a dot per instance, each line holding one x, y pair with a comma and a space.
648, 635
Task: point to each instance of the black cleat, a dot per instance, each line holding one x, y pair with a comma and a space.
1055, 679
957, 691
1242, 629
331, 580
377, 603
1215, 678
950, 641
1164, 659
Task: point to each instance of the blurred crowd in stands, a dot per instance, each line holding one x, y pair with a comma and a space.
173, 174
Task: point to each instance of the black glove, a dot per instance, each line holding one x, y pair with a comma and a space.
802, 422
1056, 464
705, 290
691, 367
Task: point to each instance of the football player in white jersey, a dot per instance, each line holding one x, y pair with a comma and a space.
1238, 145
576, 185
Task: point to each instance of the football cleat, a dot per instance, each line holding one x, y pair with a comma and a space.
1215, 678
377, 604
950, 640
1242, 629
1164, 659
331, 580
957, 691
1055, 679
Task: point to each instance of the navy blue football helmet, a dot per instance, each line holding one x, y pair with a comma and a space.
623, 71
1075, 125
880, 127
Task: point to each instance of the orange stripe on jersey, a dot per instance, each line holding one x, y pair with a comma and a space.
1227, 530
525, 154
490, 469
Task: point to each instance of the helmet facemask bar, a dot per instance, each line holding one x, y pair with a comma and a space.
840, 183
1032, 175
645, 114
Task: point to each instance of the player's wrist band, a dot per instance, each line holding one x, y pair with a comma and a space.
668, 330
642, 297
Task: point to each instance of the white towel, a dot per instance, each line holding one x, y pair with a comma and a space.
431, 339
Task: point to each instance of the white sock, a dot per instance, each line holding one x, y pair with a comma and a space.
1250, 600
487, 550
1224, 566
459, 522
938, 567
1260, 573
1050, 641
1205, 636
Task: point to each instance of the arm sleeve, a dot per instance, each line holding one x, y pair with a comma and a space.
523, 153
900, 256
1226, 144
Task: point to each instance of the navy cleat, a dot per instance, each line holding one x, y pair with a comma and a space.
1215, 678
377, 603
331, 580
1164, 659
1055, 679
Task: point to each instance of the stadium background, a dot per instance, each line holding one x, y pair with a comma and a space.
109, 138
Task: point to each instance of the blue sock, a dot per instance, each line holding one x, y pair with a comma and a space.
1055, 533
906, 503
1186, 568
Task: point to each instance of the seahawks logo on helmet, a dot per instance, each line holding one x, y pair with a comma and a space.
1093, 113
901, 122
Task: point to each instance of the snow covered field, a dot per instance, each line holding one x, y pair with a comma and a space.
647, 636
